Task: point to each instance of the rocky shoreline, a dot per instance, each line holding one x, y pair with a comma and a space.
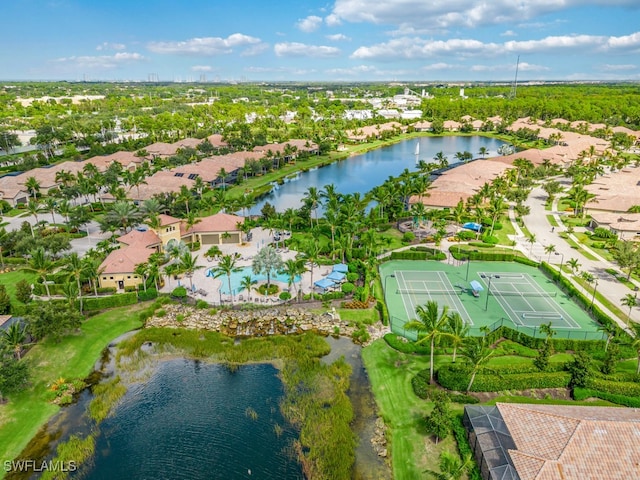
285, 320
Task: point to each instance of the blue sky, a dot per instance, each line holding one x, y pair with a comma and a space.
307, 40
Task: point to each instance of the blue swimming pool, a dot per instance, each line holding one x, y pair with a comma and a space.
236, 279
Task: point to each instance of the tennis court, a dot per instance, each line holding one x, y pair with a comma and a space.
485, 294
417, 288
524, 301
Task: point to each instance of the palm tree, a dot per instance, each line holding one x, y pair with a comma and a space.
40, 264
574, 264
311, 252
610, 330
483, 152
532, 240
14, 338
635, 344
549, 249
226, 266
312, 199
266, 262
76, 269
431, 324
495, 209
457, 330
188, 264
452, 467
33, 186
629, 300
292, 268
247, 284
477, 354
141, 270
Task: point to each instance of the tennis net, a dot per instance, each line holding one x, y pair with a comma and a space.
523, 294
415, 291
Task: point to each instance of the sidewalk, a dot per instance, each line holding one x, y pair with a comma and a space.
538, 224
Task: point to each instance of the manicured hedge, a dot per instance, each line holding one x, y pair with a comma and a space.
457, 378
419, 253
483, 255
101, 303
584, 393
460, 434
559, 344
150, 294
402, 345
423, 389
629, 389
526, 261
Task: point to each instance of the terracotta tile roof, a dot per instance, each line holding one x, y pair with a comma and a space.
124, 260
167, 220
160, 182
187, 143
219, 222
617, 191
216, 140
140, 239
573, 442
162, 149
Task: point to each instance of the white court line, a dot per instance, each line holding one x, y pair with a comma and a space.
459, 306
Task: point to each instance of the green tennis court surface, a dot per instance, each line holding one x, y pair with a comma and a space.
502, 293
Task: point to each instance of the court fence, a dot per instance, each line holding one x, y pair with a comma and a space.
397, 327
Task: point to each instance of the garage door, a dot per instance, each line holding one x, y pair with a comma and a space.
211, 239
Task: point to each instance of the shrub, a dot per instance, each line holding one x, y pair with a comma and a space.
107, 289
130, 288
352, 277
408, 237
262, 289
584, 393
179, 292
466, 235
457, 378
490, 239
285, 296
150, 294
201, 304
102, 303
347, 288
403, 345
628, 389
460, 434
161, 313
482, 245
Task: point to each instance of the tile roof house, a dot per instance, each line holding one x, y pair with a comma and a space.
220, 228
549, 442
12, 192
625, 225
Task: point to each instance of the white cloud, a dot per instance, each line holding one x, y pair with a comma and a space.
440, 66
444, 14
99, 62
522, 66
204, 45
201, 68
333, 20
295, 49
285, 70
508, 33
415, 47
617, 68
111, 46
309, 24
339, 37
367, 70
254, 50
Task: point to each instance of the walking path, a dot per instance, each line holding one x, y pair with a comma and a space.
546, 234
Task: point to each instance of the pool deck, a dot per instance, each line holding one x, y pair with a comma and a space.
247, 251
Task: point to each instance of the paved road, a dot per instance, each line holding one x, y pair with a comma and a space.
538, 224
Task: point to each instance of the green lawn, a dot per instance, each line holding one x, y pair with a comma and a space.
73, 357
10, 279
390, 373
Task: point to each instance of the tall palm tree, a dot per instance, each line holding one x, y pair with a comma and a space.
574, 264
39, 263
226, 266
532, 240
476, 354
549, 249
188, 264
483, 152
292, 268
312, 199
430, 326
311, 252
635, 344
457, 330
629, 300
247, 284
76, 268
610, 330
33, 186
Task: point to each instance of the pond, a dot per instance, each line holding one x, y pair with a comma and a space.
363, 172
195, 420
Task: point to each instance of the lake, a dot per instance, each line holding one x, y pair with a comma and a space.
363, 172
193, 420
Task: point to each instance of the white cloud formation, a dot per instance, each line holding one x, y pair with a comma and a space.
522, 66
338, 37
201, 68
285, 70
439, 66
413, 48
309, 24
295, 49
111, 46
617, 68
444, 14
253, 50
203, 46
508, 33
332, 20
369, 71
99, 62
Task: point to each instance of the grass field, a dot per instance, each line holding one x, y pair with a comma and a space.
73, 357
390, 373
10, 279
